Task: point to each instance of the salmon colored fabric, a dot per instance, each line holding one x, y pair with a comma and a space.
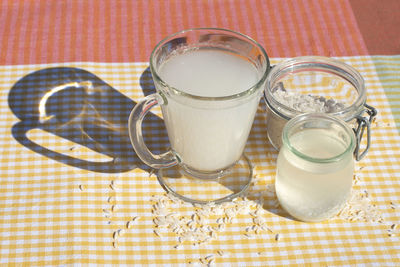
126, 31
379, 24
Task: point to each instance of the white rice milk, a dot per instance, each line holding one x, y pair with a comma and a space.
210, 135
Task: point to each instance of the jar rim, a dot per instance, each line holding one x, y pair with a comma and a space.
306, 117
321, 64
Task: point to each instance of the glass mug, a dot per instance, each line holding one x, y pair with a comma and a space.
207, 124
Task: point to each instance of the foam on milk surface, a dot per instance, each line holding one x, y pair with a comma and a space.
209, 73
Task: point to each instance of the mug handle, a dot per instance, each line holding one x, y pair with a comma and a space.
165, 160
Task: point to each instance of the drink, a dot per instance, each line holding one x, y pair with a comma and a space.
209, 136
314, 191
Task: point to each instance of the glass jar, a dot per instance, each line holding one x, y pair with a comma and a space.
317, 84
315, 166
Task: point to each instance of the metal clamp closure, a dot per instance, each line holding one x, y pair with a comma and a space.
364, 122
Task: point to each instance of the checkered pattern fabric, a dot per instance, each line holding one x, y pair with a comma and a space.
70, 178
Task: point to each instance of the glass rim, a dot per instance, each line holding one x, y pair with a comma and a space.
249, 91
321, 64
320, 116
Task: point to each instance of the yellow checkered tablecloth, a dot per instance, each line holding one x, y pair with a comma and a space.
70, 180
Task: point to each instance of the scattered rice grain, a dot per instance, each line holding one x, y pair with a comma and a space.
195, 224
360, 208
120, 232
277, 237
214, 235
107, 213
115, 235
157, 233
265, 228
248, 235
209, 259
113, 185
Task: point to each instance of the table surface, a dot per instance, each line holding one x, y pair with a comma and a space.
72, 191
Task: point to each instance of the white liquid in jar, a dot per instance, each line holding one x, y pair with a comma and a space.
312, 191
209, 136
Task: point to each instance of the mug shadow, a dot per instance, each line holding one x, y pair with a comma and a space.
146, 82
75, 105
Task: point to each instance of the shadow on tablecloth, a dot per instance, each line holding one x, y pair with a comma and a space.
76, 105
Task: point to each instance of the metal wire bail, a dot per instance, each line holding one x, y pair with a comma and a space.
364, 122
